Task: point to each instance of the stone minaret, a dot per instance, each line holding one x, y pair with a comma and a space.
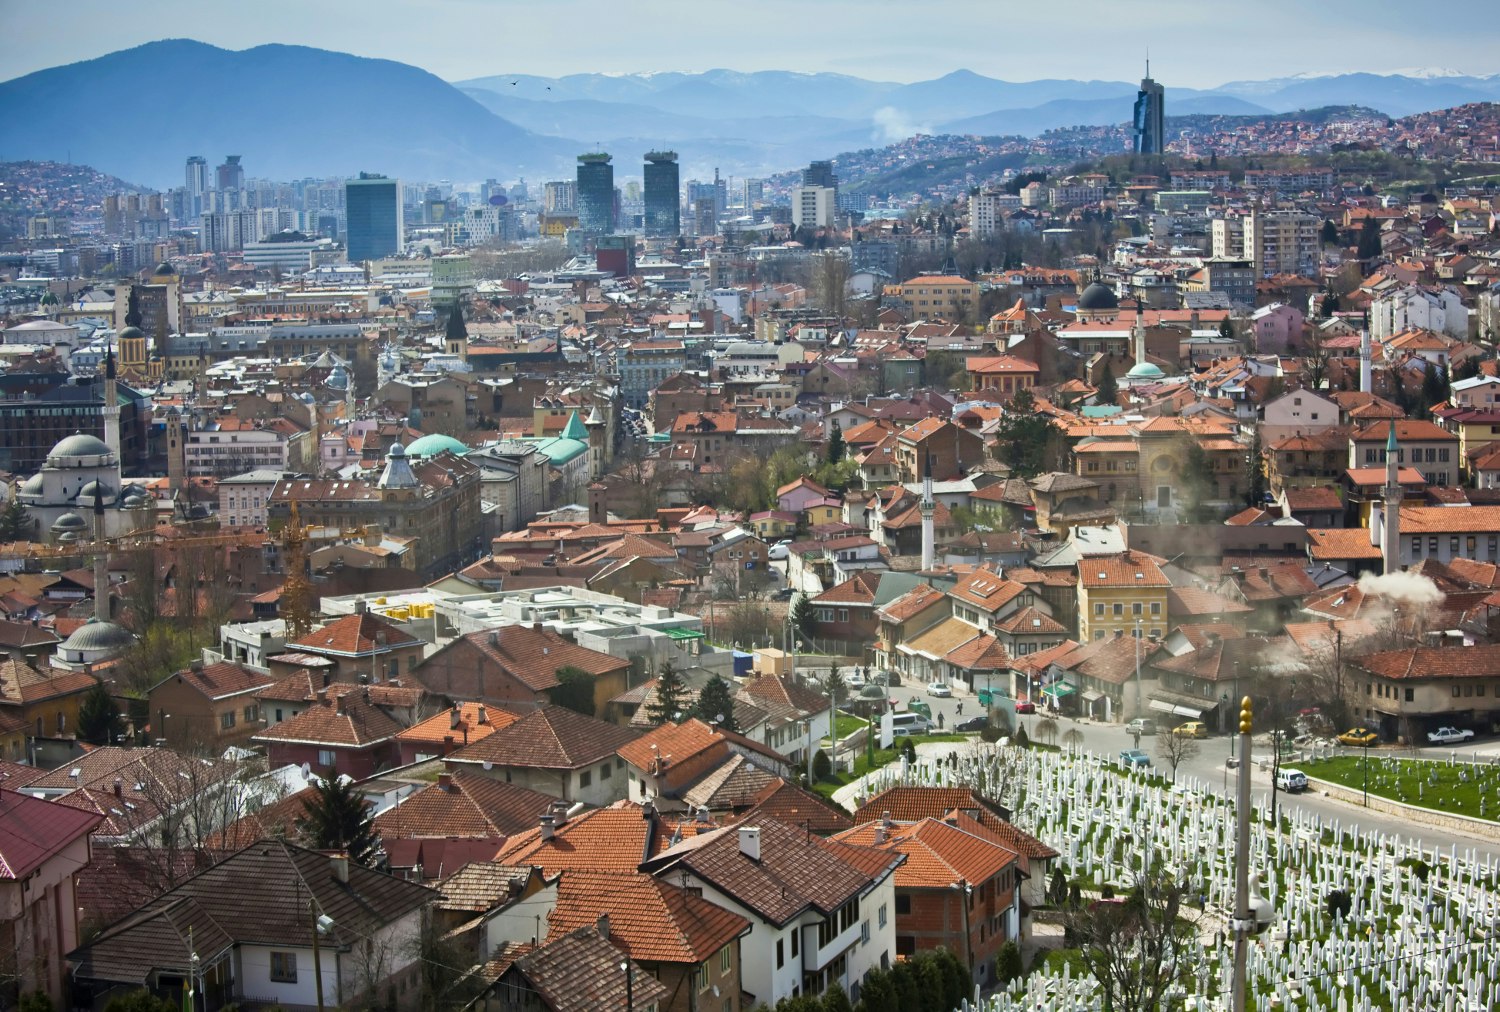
101, 560
1390, 496
1365, 361
111, 404
927, 508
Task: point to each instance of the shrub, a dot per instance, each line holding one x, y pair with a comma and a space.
1008, 962
1022, 739
822, 766
1338, 903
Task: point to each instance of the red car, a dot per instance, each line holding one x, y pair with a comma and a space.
1025, 706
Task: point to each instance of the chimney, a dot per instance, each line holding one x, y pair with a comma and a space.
484, 717
322, 696
603, 925
445, 781
548, 830
750, 842
453, 719
1119, 633
879, 833
704, 815
559, 811
196, 665
447, 743
327, 678
494, 637
340, 864
339, 706
360, 606
119, 787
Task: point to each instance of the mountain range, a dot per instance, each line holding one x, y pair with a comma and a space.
294, 111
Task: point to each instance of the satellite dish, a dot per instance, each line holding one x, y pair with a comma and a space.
499, 199
488, 765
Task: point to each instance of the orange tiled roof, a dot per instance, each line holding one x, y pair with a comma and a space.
474, 721
350, 722
652, 920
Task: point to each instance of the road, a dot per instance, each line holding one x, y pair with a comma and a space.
1208, 766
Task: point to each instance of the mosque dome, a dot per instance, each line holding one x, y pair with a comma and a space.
35, 485
1098, 297
1144, 371
79, 444
97, 637
435, 443
87, 493
69, 522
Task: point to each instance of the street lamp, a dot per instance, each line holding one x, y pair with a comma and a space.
1366, 767
629, 986
1138, 707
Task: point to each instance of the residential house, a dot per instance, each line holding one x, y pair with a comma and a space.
253, 934
460, 805
1403, 694
1102, 677
914, 612
404, 703
1296, 413
516, 667
1443, 533
820, 913
958, 889
45, 705
795, 717
1420, 444
209, 706
578, 972
846, 611
43, 845
451, 729
795, 496
342, 735
936, 448
1298, 461
554, 751
355, 645
1122, 593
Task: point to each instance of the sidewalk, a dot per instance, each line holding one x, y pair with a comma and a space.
847, 795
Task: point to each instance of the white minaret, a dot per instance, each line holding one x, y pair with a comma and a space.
927, 507
1390, 501
111, 404
101, 560
1365, 363
1140, 335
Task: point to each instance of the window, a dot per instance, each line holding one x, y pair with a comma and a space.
325, 757
796, 935
1136, 609
226, 720
251, 713
903, 904
585, 778
780, 953
1099, 610
704, 975
1410, 695
1455, 692
864, 933
284, 967
1453, 543
881, 915
724, 960
1155, 608
1119, 609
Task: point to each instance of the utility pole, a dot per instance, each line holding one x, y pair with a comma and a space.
312, 913
1244, 920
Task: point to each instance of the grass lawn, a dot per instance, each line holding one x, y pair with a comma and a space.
847, 725
1427, 783
883, 757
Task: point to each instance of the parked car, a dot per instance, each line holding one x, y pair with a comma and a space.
1449, 735
1291, 781
1192, 729
1358, 736
939, 690
972, 724
1142, 726
1132, 757
918, 706
779, 550
1025, 706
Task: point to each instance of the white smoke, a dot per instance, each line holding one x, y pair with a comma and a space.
892, 125
1402, 588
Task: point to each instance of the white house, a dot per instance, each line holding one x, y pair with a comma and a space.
1415, 308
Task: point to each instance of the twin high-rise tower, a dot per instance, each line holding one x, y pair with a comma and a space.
598, 209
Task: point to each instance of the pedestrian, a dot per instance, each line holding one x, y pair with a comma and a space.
960, 708
940, 722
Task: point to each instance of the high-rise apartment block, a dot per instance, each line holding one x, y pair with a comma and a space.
372, 207
987, 210
230, 175
596, 193
813, 206
663, 216
1282, 242
195, 185
560, 196
1149, 123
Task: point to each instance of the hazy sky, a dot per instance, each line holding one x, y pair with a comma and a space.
1193, 44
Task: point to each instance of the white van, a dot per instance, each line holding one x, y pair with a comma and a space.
910, 723
1291, 781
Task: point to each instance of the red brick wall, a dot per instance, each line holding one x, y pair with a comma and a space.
357, 763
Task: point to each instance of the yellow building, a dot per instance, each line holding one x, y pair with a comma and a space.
38, 704
1122, 593
942, 296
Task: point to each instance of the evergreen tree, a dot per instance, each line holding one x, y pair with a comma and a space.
877, 994
1257, 475
98, 716
716, 704
836, 444
835, 1000
1369, 241
1434, 386
667, 702
15, 523
804, 618
1226, 330
337, 818
1057, 888
1109, 391
1329, 305
1330, 233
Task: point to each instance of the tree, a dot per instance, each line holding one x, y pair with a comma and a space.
716, 704
1369, 241
822, 765
667, 699
1108, 392
338, 818
139, 1001
1434, 386
1175, 749
1008, 963
836, 445
98, 716
804, 618
1026, 440
1255, 471
1226, 330
1057, 887
1046, 730
1139, 948
877, 994
1195, 478
1072, 739
1329, 235
15, 523
1338, 903
1329, 305
574, 690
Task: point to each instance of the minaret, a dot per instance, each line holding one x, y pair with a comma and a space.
1365, 362
1390, 498
1139, 335
927, 508
101, 559
111, 404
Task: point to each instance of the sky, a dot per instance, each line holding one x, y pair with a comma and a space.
1192, 43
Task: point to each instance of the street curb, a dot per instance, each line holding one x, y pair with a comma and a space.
1429, 816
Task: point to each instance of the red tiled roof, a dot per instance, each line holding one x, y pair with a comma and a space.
910, 804
551, 737
475, 721
353, 636
653, 921
1128, 569
1478, 661
222, 680
464, 804
939, 854
32, 831
351, 721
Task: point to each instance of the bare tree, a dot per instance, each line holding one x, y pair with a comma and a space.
1176, 749
1139, 947
1072, 740
1046, 730
830, 283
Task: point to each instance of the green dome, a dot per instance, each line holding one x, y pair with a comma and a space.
435, 443
1144, 371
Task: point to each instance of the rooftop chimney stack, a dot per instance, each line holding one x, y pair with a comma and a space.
484, 717
548, 830
750, 842
340, 864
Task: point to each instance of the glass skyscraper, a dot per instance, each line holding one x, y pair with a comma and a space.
663, 195
372, 206
1149, 122
596, 194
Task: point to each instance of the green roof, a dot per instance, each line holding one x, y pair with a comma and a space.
1057, 690
678, 633
575, 430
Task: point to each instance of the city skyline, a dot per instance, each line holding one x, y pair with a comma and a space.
901, 44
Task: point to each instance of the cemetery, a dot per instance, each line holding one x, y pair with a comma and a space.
1358, 920
1448, 784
